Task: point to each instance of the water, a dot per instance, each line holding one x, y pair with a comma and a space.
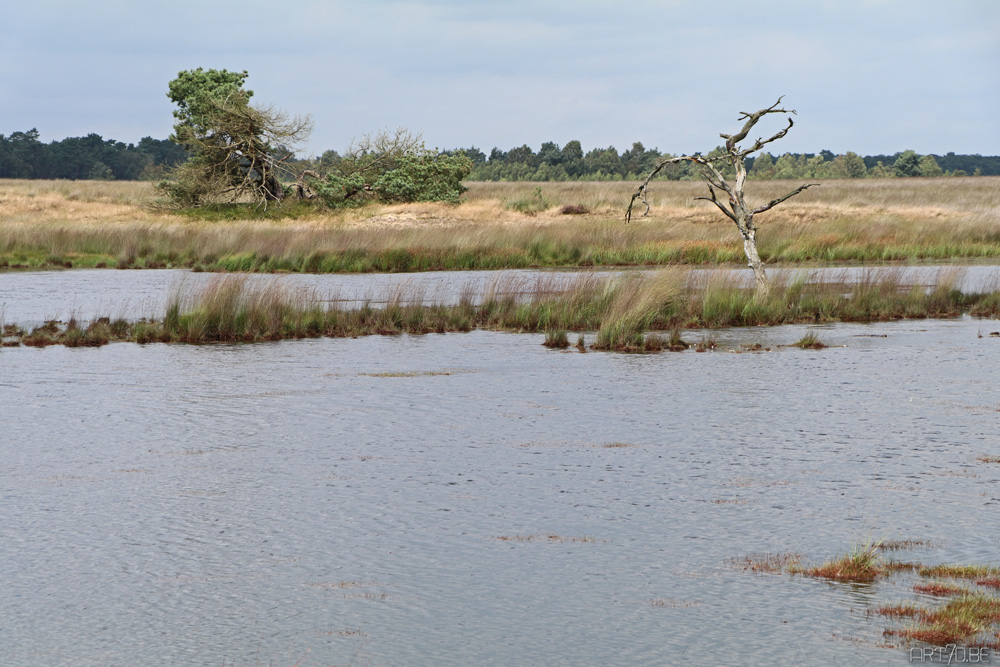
452, 499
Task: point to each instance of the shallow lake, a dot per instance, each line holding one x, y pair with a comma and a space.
479, 499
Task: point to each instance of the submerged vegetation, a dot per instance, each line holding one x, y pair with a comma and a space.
965, 610
622, 310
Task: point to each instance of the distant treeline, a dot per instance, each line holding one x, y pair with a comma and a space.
568, 163
92, 157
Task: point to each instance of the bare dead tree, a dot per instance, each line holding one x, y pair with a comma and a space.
738, 210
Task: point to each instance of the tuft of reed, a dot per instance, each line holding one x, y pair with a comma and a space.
557, 339
809, 342
636, 304
675, 343
860, 565
905, 610
230, 310
10, 334
532, 205
96, 334
43, 335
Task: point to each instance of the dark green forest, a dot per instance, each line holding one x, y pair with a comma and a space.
92, 157
23, 155
568, 163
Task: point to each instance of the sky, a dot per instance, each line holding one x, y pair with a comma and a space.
869, 76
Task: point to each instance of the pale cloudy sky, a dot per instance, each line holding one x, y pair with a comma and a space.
872, 76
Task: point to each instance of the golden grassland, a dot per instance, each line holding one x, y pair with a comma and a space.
500, 225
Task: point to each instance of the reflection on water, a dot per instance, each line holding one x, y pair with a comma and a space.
452, 499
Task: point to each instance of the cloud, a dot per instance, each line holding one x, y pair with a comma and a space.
865, 76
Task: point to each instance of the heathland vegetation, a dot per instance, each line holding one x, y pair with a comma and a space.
242, 202
498, 225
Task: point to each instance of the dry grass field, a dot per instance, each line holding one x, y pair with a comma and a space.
504, 225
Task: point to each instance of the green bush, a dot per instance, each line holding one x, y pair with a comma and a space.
426, 177
529, 205
393, 168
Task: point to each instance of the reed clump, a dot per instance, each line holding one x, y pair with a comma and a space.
630, 313
229, 310
860, 565
809, 342
557, 339
636, 304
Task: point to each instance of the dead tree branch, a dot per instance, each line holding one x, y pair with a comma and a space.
709, 171
714, 200
751, 120
736, 209
774, 202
